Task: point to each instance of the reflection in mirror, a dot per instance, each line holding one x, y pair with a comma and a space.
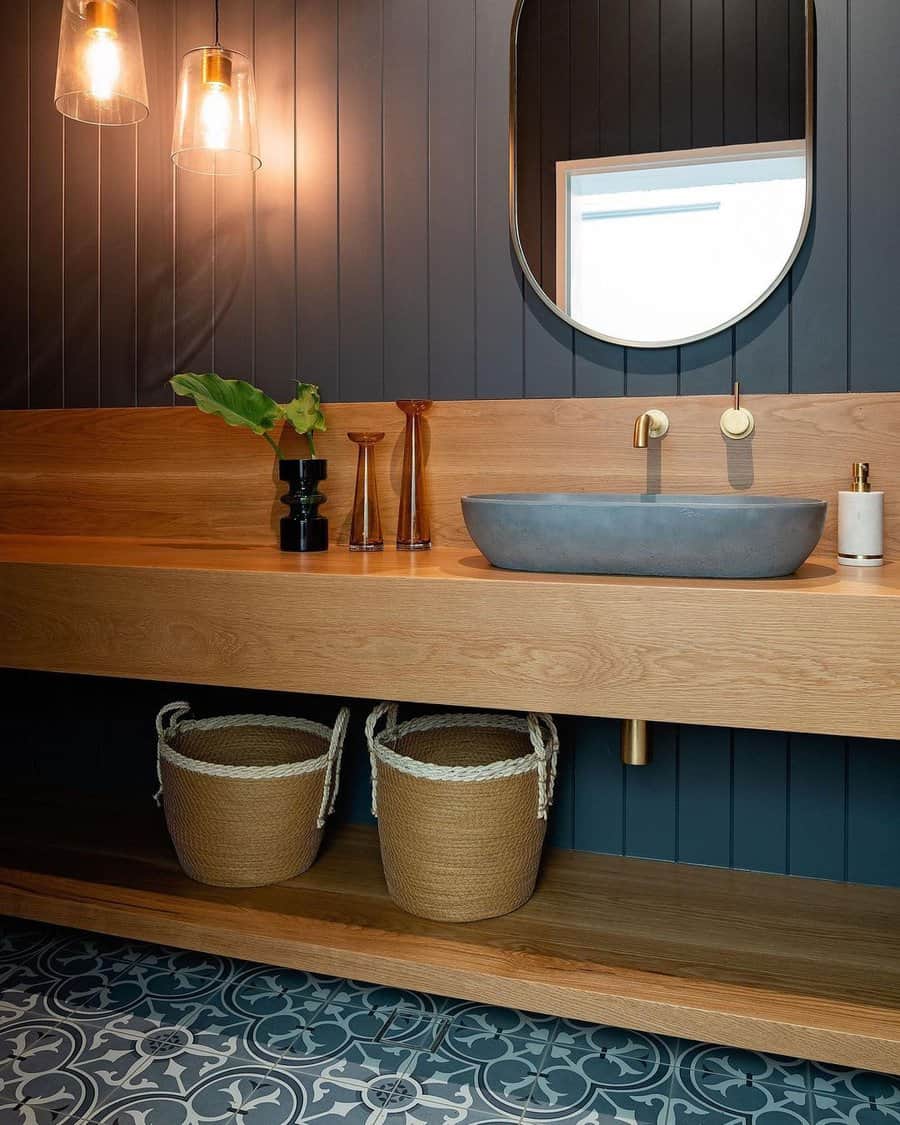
662, 173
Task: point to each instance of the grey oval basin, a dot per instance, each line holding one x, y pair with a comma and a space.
644, 534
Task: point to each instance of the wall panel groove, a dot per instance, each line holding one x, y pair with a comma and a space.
372, 255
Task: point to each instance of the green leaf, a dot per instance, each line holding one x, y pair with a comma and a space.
304, 411
239, 403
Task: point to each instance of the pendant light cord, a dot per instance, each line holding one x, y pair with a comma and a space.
218, 44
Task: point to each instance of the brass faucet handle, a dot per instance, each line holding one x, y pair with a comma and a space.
737, 422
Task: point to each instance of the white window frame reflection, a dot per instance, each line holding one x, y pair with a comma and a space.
567, 170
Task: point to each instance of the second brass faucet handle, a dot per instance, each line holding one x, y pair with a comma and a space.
737, 421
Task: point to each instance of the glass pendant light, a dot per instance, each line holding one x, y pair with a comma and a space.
100, 75
215, 114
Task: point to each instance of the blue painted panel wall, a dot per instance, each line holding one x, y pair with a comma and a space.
372, 256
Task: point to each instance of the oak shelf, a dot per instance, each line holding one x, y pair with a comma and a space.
797, 966
818, 652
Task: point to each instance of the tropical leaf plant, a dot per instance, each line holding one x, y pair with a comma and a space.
237, 402
241, 404
304, 412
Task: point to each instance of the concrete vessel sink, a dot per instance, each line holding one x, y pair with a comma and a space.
644, 534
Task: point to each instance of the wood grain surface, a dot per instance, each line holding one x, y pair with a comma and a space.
796, 966
817, 652
175, 473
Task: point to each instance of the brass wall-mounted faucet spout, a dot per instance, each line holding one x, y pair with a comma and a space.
650, 424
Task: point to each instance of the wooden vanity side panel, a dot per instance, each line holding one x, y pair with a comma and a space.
176, 473
731, 655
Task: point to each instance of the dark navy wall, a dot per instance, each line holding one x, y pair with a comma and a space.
371, 255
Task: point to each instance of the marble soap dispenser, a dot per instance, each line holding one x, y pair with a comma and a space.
861, 522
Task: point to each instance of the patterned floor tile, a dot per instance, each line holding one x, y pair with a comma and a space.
41, 1081
469, 1074
214, 1099
354, 1087
616, 1041
588, 1085
375, 997
735, 1062
332, 1032
829, 1110
857, 1085
288, 985
502, 1021
702, 1098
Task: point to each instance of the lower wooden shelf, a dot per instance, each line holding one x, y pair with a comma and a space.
782, 964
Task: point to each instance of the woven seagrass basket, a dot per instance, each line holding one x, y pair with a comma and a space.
461, 802
246, 796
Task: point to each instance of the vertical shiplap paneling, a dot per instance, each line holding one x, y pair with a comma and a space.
704, 796
873, 825
234, 265
644, 70
819, 306
360, 210
118, 268
874, 95
599, 779
739, 74
45, 333
651, 799
817, 832
406, 147
707, 77
548, 340
274, 301
675, 102
529, 182
14, 243
81, 264
451, 198
194, 305
760, 803
498, 279
155, 314
773, 111
317, 268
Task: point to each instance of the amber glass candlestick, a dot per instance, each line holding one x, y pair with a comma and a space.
413, 527
365, 526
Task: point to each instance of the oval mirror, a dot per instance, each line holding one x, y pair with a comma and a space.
661, 172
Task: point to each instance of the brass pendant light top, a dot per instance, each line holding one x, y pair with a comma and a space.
100, 77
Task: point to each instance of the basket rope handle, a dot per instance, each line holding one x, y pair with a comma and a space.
390, 713
333, 767
546, 749
175, 712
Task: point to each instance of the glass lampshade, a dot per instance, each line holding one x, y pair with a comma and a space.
215, 115
100, 75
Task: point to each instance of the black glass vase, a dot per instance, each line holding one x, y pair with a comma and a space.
304, 529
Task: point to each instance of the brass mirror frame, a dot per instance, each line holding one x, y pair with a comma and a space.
809, 149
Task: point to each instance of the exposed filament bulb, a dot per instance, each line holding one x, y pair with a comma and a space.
103, 64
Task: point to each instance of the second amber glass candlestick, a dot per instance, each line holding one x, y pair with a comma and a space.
365, 526
413, 526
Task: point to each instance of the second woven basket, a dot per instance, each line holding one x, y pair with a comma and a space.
461, 802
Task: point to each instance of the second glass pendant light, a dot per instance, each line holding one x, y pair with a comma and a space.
215, 114
100, 75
